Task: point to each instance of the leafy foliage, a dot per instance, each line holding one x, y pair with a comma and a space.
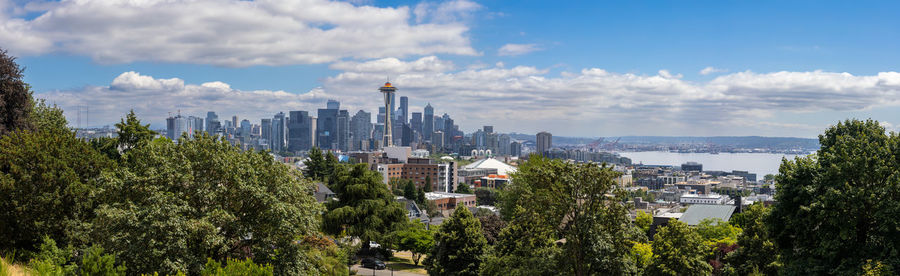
48, 187
491, 224
99, 264
837, 209
678, 250
415, 239
486, 196
236, 268
586, 208
756, 251
365, 208
15, 96
132, 133
203, 198
459, 246
525, 247
463, 188
643, 221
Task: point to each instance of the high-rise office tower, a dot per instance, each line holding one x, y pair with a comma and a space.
175, 126
360, 130
488, 129
381, 115
388, 92
300, 135
333, 104
235, 122
194, 124
415, 122
503, 145
448, 131
278, 133
515, 149
428, 122
245, 128
266, 131
404, 110
343, 130
544, 142
405, 135
212, 123
326, 128
437, 140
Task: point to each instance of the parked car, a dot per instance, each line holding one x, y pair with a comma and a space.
373, 244
373, 264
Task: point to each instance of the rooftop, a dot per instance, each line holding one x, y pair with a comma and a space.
699, 212
440, 195
491, 163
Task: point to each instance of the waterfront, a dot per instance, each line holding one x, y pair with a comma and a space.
759, 163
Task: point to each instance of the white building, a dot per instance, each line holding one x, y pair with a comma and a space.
704, 199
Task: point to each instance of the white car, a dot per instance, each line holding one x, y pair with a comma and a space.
373, 244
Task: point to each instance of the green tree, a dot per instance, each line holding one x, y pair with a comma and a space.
679, 250
48, 187
415, 239
365, 208
491, 224
715, 231
463, 188
643, 256
756, 251
458, 246
586, 205
315, 165
409, 190
132, 133
428, 184
95, 263
236, 268
204, 198
525, 247
847, 193
48, 117
420, 196
486, 196
15, 96
643, 221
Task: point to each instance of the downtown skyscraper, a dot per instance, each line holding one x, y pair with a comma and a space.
279, 135
428, 122
300, 131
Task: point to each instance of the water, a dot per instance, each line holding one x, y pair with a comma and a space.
759, 163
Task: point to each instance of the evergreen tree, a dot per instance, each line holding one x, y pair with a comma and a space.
132, 133
420, 196
678, 250
365, 208
15, 96
837, 208
428, 184
525, 247
315, 165
463, 188
409, 190
459, 246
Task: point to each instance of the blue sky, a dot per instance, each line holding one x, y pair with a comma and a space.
577, 68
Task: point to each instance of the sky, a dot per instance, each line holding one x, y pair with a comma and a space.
573, 68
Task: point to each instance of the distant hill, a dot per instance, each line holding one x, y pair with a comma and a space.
732, 141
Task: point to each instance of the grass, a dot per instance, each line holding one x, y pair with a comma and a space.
402, 261
8, 269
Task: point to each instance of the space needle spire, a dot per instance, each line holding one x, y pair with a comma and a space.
388, 91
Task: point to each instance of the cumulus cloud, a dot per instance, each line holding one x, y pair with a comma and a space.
592, 101
233, 33
448, 11
517, 49
153, 98
712, 70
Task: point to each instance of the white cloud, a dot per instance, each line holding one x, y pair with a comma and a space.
233, 33
447, 11
517, 49
711, 70
528, 99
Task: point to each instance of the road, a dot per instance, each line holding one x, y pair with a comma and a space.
384, 272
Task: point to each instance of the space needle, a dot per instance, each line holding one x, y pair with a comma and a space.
388, 92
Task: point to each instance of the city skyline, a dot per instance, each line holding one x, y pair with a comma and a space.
662, 69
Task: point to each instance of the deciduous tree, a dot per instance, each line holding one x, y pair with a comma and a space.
459, 246
679, 250
15, 96
838, 208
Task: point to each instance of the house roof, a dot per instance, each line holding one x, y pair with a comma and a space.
491, 163
698, 212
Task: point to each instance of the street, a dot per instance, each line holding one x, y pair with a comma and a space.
384, 272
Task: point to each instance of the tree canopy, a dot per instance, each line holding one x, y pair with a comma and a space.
365, 208
584, 205
678, 250
837, 208
15, 96
458, 246
204, 198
